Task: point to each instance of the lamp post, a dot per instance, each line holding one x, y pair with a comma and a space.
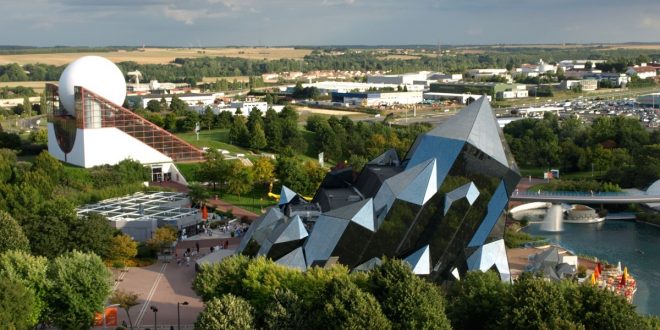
155, 310
178, 314
109, 306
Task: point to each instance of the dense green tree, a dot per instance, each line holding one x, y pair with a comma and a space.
91, 233
31, 272
197, 193
49, 165
48, 229
17, 303
407, 300
345, 306
224, 119
478, 301
11, 234
238, 133
169, 122
214, 170
209, 118
81, 284
291, 174
264, 170
287, 311
123, 247
239, 178
217, 279
226, 312
162, 238
154, 106
255, 117
178, 106
257, 137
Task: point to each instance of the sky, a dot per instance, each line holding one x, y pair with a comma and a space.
206, 23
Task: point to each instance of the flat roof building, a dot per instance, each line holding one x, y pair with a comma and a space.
139, 215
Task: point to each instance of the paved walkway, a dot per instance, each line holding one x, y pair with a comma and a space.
162, 285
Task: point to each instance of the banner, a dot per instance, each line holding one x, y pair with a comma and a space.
110, 317
205, 213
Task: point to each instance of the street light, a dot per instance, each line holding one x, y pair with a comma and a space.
155, 310
178, 314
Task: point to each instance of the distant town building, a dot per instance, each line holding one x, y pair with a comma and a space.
378, 98
191, 99
568, 65
534, 70
488, 73
642, 71
495, 90
327, 87
398, 79
586, 84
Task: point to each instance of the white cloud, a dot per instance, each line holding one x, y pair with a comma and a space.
650, 23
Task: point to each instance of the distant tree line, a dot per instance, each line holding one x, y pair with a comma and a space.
619, 146
193, 69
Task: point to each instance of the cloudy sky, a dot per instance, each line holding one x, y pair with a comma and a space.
325, 22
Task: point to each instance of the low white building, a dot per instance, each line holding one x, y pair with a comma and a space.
642, 71
378, 98
196, 99
398, 79
568, 65
586, 84
487, 73
533, 70
327, 87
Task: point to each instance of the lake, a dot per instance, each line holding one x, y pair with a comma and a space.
636, 245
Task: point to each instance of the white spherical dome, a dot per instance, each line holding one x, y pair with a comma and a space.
96, 74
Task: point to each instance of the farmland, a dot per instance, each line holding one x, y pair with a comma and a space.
160, 55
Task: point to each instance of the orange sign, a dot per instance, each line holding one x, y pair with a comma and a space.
205, 213
110, 317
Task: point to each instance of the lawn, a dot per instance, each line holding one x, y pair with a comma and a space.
215, 139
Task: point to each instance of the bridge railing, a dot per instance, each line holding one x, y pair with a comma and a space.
571, 193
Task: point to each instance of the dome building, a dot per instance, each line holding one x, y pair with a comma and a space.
87, 126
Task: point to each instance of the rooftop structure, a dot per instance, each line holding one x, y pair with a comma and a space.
140, 214
479, 88
440, 208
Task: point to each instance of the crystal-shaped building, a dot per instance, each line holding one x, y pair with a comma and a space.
441, 208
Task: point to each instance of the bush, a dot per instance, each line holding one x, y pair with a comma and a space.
145, 251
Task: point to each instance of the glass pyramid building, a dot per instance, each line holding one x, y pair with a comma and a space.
440, 208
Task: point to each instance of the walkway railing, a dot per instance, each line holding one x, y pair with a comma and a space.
585, 197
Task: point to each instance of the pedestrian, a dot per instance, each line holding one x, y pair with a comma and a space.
226, 244
197, 246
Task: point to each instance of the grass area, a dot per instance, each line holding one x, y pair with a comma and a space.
253, 201
187, 169
514, 239
215, 139
219, 139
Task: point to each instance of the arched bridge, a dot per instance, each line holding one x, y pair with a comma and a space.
573, 197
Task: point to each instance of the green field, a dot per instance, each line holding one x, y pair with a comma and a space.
214, 139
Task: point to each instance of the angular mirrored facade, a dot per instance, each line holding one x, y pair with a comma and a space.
440, 208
